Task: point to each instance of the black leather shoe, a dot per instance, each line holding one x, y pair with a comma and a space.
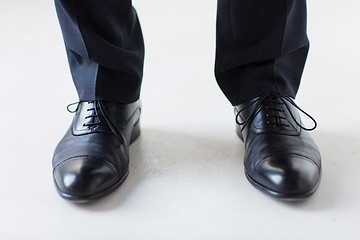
92, 159
281, 158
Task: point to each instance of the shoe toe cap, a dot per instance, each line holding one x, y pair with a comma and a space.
288, 176
84, 176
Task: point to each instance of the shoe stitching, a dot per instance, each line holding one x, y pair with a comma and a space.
292, 154
84, 156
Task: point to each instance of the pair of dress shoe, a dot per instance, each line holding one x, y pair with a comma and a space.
281, 159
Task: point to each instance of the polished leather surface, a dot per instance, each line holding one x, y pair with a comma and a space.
281, 158
92, 158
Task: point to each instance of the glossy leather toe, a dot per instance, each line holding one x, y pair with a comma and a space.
84, 176
287, 176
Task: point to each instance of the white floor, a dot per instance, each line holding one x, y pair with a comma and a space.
186, 179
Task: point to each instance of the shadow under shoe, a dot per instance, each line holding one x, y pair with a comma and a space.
281, 158
92, 159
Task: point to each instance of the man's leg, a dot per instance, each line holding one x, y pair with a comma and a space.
105, 49
262, 46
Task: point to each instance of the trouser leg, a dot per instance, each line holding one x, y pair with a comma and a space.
105, 48
262, 47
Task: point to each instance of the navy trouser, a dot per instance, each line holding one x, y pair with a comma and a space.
261, 46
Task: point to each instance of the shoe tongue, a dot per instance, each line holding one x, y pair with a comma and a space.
97, 116
274, 118
91, 119
266, 118
273, 100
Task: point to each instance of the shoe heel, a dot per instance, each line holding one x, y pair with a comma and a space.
135, 132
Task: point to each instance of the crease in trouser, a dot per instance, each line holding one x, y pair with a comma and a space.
105, 48
261, 47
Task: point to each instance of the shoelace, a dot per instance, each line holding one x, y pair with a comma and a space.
95, 115
273, 97
102, 119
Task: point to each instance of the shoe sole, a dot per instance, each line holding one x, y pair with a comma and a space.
87, 199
